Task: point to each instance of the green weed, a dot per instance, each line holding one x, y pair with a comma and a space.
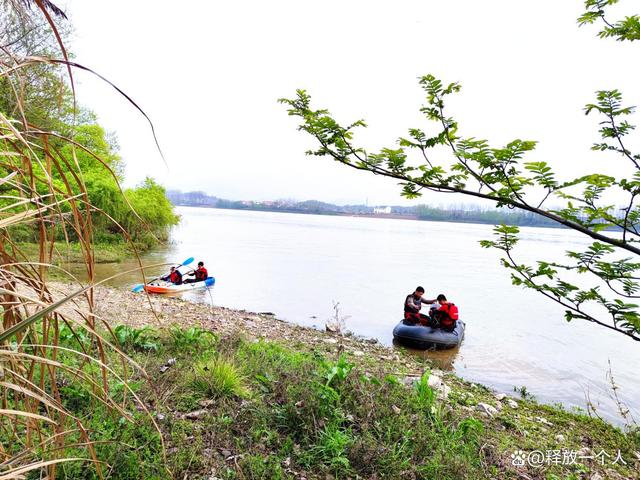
258, 467
219, 377
139, 339
192, 338
331, 448
424, 393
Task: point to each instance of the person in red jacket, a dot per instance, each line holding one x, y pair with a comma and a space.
446, 315
174, 276
200, 273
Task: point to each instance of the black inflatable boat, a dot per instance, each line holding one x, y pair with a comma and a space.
422, 337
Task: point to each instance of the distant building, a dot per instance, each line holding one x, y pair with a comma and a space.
382, 210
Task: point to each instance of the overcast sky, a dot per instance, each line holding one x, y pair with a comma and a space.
209, 75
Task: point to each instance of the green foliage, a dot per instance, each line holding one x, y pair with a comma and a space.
219, 378
258, 467
150, 203
81, 156
425, 396
471, 429
73, 338
191, 338
331, 449
625, 29
494, 216
338, 373
140, 339
359, 426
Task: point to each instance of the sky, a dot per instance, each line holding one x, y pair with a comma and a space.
209, 75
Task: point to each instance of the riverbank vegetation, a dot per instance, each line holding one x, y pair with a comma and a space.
60, 180
297, 403
69, 153
599, 283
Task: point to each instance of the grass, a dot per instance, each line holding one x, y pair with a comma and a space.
218, 377
267, 411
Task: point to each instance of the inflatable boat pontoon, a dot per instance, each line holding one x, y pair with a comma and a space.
422, 337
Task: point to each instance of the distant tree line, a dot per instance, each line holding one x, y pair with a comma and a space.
493, 216
462, 214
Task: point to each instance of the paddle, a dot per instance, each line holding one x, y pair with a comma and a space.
139, 287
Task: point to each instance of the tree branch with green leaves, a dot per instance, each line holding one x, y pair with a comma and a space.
447, 162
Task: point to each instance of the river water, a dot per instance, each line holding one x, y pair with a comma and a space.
298, 266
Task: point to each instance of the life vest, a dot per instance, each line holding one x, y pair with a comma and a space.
448, 315
411, 298
175, 277
201, 274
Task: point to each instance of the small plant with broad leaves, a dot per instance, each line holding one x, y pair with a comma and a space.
191, 338
338, 372
140, 339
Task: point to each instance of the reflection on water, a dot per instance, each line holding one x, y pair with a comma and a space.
442, 359
298, 265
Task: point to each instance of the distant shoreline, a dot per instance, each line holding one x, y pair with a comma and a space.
394, 216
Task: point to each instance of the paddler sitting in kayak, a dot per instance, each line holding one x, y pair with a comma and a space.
201, 274
174, 276
412, 305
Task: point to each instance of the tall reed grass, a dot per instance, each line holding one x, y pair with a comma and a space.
44, 191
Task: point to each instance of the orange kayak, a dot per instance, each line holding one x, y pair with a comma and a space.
168, 287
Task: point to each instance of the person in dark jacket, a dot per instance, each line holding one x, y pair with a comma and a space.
412, 305
174, 276
201, 274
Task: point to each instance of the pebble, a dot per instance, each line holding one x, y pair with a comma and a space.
169, 363
410, 380
434, 381
512, 403
544, 421
443, 392
486, 408
559, 438
501, 396
196, 414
